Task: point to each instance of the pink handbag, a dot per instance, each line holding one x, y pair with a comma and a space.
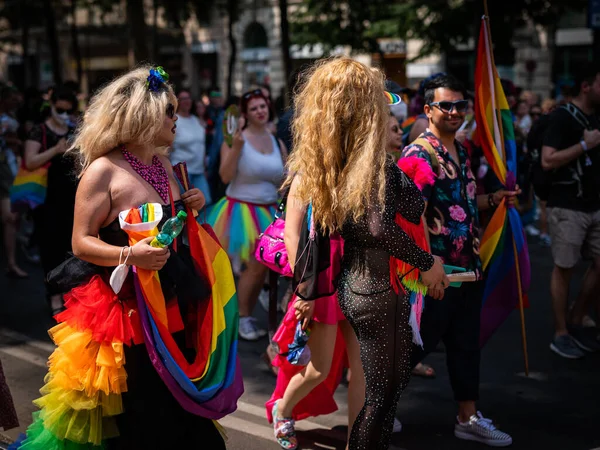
270, 248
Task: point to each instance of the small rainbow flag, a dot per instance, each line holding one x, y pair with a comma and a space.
504, 250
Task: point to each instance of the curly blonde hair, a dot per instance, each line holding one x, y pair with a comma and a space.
124, 111
340, 137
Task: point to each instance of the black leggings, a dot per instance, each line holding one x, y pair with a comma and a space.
380, 321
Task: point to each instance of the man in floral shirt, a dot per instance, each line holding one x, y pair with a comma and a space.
452, 222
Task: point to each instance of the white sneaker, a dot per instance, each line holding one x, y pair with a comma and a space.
397, 426
248, 329
532, 231
480, 429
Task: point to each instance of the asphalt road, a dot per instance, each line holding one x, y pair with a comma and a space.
556, 407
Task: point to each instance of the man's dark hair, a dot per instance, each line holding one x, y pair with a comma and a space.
443, 81
586, 74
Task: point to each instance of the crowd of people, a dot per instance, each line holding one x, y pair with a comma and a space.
368, 185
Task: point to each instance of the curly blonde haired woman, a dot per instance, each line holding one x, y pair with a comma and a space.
353, 187
106, 385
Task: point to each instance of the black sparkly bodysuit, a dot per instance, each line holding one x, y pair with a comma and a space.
378, 315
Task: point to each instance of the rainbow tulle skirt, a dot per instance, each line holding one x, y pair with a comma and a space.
238, 225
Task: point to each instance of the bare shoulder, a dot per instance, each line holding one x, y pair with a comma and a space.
99, 172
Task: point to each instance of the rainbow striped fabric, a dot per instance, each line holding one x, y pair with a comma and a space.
504, 252
210, 385
29, 188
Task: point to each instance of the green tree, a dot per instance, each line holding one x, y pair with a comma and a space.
440, 24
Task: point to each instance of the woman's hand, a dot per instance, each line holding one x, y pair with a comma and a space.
60, 147
435, 279
238, 137
194, 199
304, 310
147, 257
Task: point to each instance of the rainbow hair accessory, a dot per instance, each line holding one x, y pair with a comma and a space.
392, 99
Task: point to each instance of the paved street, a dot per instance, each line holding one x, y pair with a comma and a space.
557, 407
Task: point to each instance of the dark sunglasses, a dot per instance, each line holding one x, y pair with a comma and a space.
395, 129
254, 93
170, 111
460, 106
63, 110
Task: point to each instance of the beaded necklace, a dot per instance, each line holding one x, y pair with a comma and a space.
155, 174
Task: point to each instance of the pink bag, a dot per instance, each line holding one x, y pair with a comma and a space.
270, 248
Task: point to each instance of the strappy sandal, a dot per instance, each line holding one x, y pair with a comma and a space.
285, 434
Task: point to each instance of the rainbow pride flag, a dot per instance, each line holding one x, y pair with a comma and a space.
211, 384
504, 252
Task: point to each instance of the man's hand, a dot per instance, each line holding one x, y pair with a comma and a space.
591, 138
510, 196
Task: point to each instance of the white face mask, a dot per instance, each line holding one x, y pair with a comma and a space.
61, 118
119, 275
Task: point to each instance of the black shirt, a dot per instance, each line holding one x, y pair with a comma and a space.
575, 186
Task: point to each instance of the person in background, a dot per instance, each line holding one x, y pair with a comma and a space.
190, 144
47, 143
253, 166
12, 146
521, 117
213, 110
394, 143
572, 150
535, 141
217, 186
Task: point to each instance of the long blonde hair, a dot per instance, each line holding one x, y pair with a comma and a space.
124, 111
340, 137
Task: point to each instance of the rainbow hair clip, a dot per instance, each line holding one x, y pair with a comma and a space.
392, 99
157, 79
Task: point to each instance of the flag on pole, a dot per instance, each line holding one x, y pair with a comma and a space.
504, 252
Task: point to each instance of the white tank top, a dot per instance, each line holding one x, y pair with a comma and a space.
258, 175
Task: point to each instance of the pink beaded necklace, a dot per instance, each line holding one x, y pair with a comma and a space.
155, 174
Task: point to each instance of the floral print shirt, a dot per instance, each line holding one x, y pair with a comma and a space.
452, 215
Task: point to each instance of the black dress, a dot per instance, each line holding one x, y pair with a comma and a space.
54, 219
378, 315
152, 418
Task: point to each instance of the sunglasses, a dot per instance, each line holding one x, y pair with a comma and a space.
395, 129
254, 93
63, 110
170, 111
460, 106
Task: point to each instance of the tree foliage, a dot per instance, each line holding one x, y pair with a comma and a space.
441, 25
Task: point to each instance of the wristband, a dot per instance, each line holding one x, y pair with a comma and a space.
491, 201
583, 145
